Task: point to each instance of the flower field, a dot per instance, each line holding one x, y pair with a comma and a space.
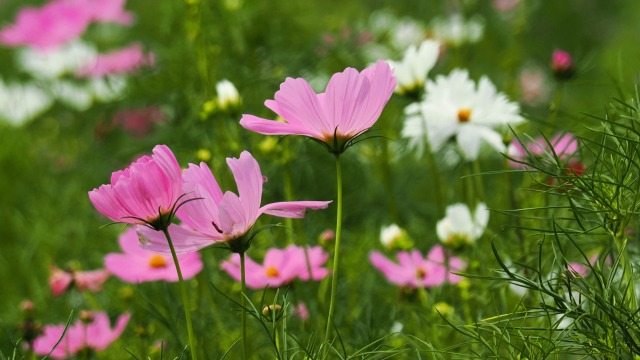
319, 180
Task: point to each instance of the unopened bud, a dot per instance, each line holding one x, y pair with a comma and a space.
272, 311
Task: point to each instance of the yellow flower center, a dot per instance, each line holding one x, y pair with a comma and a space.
157, 261
464, 115
272, 272
421, 273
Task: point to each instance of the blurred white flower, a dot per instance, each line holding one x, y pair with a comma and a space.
394, 237
22, 102
454, 106
228, 96
455, 30
396, 327
411, 72
406, 32
71, 94
460, 227
54, 63
108, 88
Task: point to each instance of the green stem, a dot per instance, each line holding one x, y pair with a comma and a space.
243, 287
336, 252
475, 172
555, 105
627, 272
435, 177
185, 297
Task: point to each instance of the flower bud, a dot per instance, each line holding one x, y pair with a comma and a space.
562, 65
272, 311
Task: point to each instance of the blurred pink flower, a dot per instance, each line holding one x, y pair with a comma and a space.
137, 265
564, 145
216, 217
60, 21
352, 103
533, 86
280, 267
138, 122
505, 5
581, 269
47, 27
95, 334
301, 311
562, 65
61, 280
127, 60
143, 193
412, 270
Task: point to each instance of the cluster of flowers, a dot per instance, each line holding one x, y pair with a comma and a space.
51, 49
281, 266
457, 229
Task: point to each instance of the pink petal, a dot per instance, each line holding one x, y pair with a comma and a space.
184, 239
299, 105
273, 127
246, 172
293, 209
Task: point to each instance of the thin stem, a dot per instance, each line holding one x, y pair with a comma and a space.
435, 176
243, 287
627, 272
185, 297
475, 173
336, 252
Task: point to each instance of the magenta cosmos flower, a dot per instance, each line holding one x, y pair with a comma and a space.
562, 145
137, 265
61, 280
280, 267
94, 333
61, 21
144, 193
215, 217
413, 270
127, 60
350, 105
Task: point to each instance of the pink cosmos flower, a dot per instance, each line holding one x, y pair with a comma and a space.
127, 60
142, 193
138, 122
95, 335
301, 311
563, 145
61, 280
280, 267
61, 21
216, 217
137, 265
350, 105
412, 270
47, 27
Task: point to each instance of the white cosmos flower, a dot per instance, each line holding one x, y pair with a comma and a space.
54, 63
411, 72
228, 96
455, 106
455, 30
460, 227
21, 102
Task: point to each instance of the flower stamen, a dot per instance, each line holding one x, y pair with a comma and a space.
464, 115
157, 261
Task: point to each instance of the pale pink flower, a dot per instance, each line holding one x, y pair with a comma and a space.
582, 269
301, 311
413, 270
213, 217
534, 86
106, 10
90, 280
95, 335
127, 60
279, 267
564, 145
144, 192
138, 122
61, 280
137, 265
350, 105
